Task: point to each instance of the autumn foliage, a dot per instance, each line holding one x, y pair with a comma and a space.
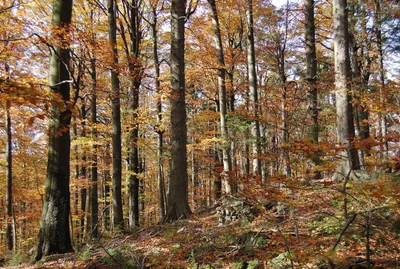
299, 216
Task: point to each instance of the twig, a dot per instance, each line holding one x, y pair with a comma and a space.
286, 247
255, 236
349, 221
109, 254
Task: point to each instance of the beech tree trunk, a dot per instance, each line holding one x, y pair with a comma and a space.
118, 221
159, 129
83, 174
360, 62
76, 222
54, 233
311, 59
251, 67
344, 110
178, 205
9, 207
93, 170
106, 194
226, 154
135, 81
384, 151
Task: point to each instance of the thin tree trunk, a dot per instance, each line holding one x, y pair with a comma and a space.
93, 170
384, 152
281, 62
9, 176
106, 189
251, 66
194, 180
361, 73
83, 174
14, 231
311, 59
54, 233
235, 185
135, 81
226, 154
285, 131
76, 223
217, 174
118, 221
160, 130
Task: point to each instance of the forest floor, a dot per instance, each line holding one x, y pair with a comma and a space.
305, 229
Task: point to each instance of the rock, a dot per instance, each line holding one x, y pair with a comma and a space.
361, 175
233, 208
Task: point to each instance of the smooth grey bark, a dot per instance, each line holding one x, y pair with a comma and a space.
360, 63
235, 185
159, 129
9, 176
226, 154
194, 180
344, 110
83, 172
281, 66
251, 69
54, 233
75, 191
178, 205
135, 77
105, 189
218, 180
118, 221
311, 60
94, 207
384, 150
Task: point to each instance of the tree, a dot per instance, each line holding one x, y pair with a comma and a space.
9, 176
360, 50
133, 20
384, 151
311, 59
251, 69
178, 204
226, 155
116, 121
94, 207
159, 129
54, 234
344, 110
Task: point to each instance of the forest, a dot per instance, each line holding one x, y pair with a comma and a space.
200, 134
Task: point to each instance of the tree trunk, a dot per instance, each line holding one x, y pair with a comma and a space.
344, 110
384, 151
106, 189
178, 205
281, 64
54, 234
118, 221
360, 62
226, 154
93, 170
235, 185
311, 59
159, 129
9, 207
135, 81
75, 223
251, 66
83, 174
